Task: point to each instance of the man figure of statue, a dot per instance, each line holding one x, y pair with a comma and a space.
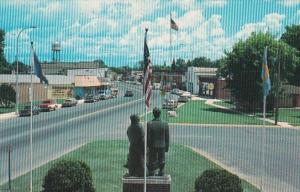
158, 143
135, 133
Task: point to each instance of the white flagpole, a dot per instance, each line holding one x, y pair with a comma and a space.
171, 59
263, 143
145, 151
31, 98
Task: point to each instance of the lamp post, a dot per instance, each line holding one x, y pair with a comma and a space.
17, 68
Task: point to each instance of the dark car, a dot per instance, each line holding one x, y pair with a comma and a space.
89, 99
27, 109
69, 102
128, 94
183, 99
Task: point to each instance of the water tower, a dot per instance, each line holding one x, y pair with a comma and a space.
56, 51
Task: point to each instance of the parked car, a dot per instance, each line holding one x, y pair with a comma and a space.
128, 93
27, 109
156, 86
48, 105
114, 92
187, 94
170, 104
177, 91
104, 96
70, 102
183, 99
89, 99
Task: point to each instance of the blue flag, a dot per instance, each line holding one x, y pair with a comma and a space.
38, 69
265, 75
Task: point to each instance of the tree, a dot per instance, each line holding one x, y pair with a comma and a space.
100, 63
242, 67
292, 36
216, 180
68, 176
7, 95
201, 62
180, 65
3, 63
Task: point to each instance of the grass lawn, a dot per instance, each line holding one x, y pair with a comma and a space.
199, 112
106, 158
292, 116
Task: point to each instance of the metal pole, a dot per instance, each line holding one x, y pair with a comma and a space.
263, 143
17, 69
145, 151
277, 88
31, 119
9, 167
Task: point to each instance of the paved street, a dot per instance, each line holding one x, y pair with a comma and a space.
58, 132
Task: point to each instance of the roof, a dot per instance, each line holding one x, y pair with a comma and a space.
203, 71
26, 78
87, 81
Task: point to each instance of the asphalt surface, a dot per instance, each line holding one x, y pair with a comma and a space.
56, 133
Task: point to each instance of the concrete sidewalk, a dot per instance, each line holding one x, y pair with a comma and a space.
5, 116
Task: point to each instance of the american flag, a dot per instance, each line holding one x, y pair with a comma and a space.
174, 25
147, 73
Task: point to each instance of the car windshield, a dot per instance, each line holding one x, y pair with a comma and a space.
47, 101
27, 107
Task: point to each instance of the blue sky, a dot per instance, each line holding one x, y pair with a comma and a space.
113, 30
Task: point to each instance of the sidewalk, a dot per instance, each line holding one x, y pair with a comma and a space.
5, 116
211, 102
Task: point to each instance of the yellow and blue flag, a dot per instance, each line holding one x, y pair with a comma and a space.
37, 67
265, 75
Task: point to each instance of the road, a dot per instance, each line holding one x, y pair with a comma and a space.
58, 132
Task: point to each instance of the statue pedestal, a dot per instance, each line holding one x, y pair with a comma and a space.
154, 184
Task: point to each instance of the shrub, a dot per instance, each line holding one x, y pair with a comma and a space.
216, 180
68, 176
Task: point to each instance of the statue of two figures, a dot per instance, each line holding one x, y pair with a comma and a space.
157, 146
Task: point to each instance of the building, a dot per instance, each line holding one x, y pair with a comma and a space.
99, 72
61, 68
204, 82
59, 87
170, 79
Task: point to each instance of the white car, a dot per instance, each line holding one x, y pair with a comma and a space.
186, 94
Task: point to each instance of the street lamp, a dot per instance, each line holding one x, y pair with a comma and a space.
17, 69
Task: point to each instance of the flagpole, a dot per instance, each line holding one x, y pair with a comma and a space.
145, 151
31, 118
170, 48
145, 139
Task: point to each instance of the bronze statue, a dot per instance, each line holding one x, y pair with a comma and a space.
135, 161
157, 143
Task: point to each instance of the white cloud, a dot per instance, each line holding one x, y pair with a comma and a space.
190, 19
185, 4
271, 23
215, 3
289, 3
50, 8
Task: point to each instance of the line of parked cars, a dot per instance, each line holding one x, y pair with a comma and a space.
102, 95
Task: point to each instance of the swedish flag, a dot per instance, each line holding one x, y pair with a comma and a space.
265, 75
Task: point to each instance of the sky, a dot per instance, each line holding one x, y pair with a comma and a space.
113, 30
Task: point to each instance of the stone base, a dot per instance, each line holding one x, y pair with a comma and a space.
154, 184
